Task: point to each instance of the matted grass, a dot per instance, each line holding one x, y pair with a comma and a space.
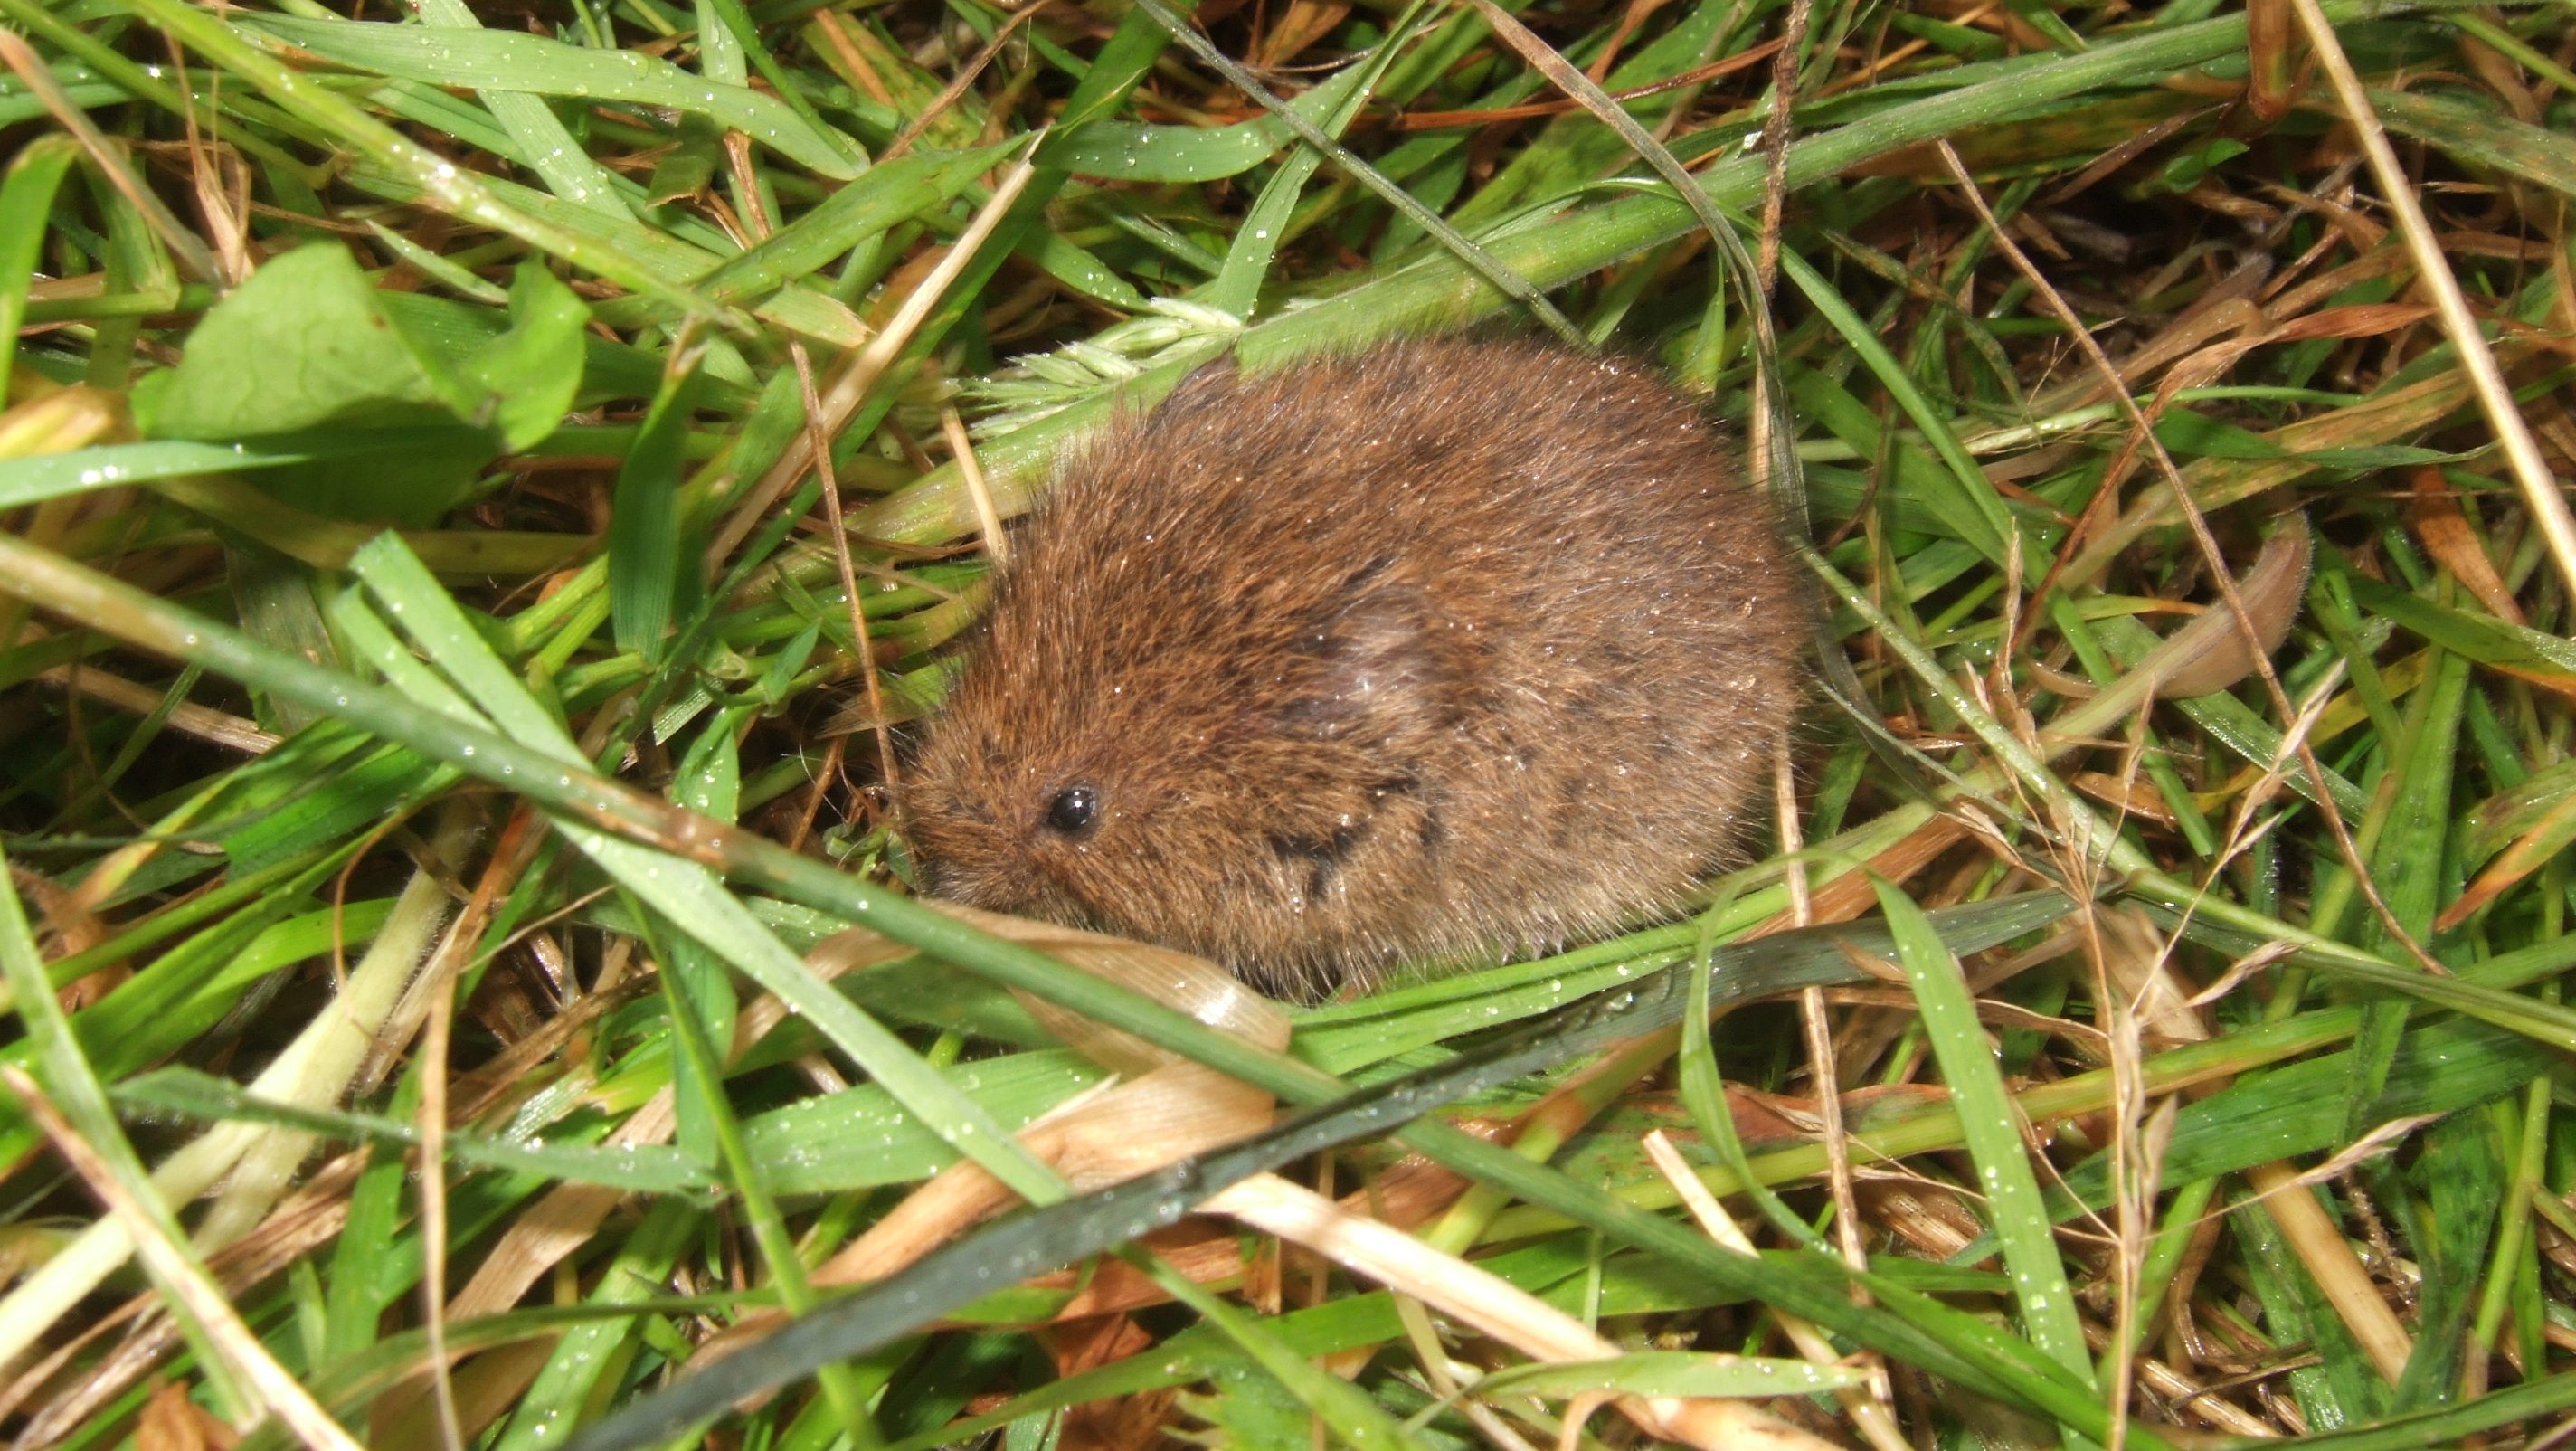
2186, 1071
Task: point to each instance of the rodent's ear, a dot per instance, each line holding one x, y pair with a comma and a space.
1366, 653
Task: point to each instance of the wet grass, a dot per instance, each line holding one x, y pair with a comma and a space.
455, 469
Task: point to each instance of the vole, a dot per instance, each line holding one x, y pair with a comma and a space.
1443, 650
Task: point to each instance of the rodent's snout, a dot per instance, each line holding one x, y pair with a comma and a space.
981, 832
976, 867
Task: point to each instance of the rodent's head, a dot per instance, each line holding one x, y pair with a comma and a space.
1246, 782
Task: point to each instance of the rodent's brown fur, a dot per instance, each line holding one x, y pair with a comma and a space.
1449, 648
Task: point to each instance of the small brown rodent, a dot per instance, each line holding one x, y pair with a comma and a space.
1447, 648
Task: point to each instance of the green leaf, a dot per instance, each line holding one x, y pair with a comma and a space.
2482, 638
672, 260
888, 195
551, 148
303, 346
1348, 1411
2462, 1175
1993, 1131
1960, 492
1121, 151
646, 554
2473, 132
300, 345
2185, 170
188, 1093
491, 60
458, 331
2301, 1108
353, 1313
2197, 435
597, 1351
1673, 1373
1237, 286
530, 375
859, 1137
686, 169
1081, 271
26, 203
335, 800
693, 979
72, 1082
2542, 799
46, 476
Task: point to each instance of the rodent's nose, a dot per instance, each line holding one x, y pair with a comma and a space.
1007, 884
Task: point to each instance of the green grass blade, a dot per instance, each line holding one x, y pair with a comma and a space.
1994, 1133
491, 60
26, 201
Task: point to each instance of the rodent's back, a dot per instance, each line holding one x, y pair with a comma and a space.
1443, 649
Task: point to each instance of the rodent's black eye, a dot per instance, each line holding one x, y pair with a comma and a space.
1073, 810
